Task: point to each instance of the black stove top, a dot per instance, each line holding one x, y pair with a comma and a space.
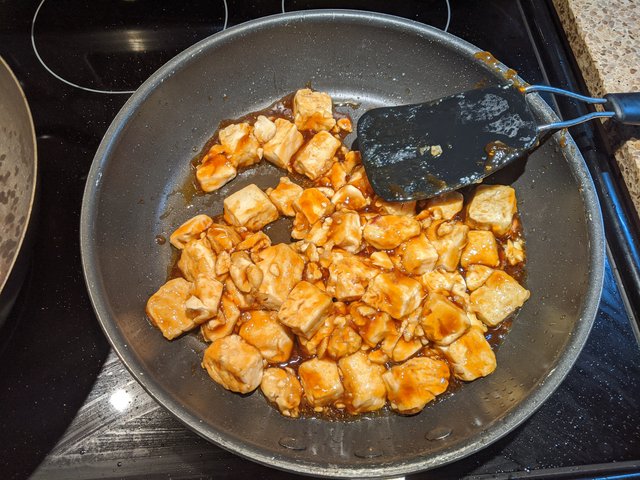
69, 407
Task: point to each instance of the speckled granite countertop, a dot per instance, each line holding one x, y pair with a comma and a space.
605, 38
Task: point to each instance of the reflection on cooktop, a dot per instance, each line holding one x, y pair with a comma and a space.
113, 47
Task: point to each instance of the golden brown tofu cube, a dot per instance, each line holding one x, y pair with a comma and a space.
262, 330
448, 238
313, 110
222, 237
264, 129
470, 356
316, 157
481, 249
499, 297
346, 231
382, 260
514, 251
240, 144
313, 205
476, 275
214, 171
349, 197
197, 259
405, 349
190, 230
305, 309
418, 255
492, 208
234, 364
373, 326
281, 270
250, 208
254, 242
388, 231
284, 195
224, 323
445, 206
443, 282
395, 208
203, 304
349, 276
245, 274
442, 320
166, 308
281, 387
284, 144
336, 176
343, 341
394, 293
321, 382
414, 383
364, 389
358, 179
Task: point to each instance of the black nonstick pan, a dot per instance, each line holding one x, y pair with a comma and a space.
135, 194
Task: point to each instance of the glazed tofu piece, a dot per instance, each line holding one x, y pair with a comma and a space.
316, 157
405, 349
382, 260
418, 255
250, 208
492, 208
321, 382
281, 387
448, 238
445, 206
166, 308
224, 322
373, 326
481, 249
244, 273
394, 293
346, 230
414, 383
313, 110
264, 129
395, 208
349, 197
470, 356
443, 282
364, 389
284, 195
284, 144
313, 205
196, 259
351, 160
281, 270
239, 144
476, 275
214, 171
358, 179
262, 330
234, 364
190, 230
222, 237
305, 309
442, 320
336, 176
254, 242
343, 341
349, 276
389, 231
203, 304
499, 297
514, 251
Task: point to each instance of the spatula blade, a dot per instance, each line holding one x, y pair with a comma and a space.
419, 151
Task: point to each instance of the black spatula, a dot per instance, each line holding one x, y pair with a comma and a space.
412, 152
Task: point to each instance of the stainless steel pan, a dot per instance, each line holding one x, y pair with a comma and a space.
134, 193
17, 184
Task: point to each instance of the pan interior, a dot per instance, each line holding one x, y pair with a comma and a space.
135, 193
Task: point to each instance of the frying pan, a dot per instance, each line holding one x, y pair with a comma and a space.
17, 185
135, 192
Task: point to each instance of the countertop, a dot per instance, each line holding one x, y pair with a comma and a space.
606, 44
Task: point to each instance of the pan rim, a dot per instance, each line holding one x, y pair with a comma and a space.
494, 432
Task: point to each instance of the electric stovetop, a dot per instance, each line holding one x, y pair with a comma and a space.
69, 408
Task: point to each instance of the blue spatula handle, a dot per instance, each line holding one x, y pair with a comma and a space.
626, 106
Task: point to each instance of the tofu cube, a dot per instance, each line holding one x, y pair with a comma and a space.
166, 308
343, 341
364, 389
448, 238
492, 208
481, 249
203, 304
336, 176
313, 205
264, 129
190, 230
234, 364
349, 197
418, 255
476, 275
442, 320
389, 231
305, 309
346, 231
284, 144
321, 382
349, 276
373, 326
313, 110
281, 270
405, 349
394, 294
499, 297
222, 237
316, 157
262, 330
197, 259
470, 356
395, 208
240, 144
214, 171
281, 387
250, 208
284, 195
445, 206
414, 383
